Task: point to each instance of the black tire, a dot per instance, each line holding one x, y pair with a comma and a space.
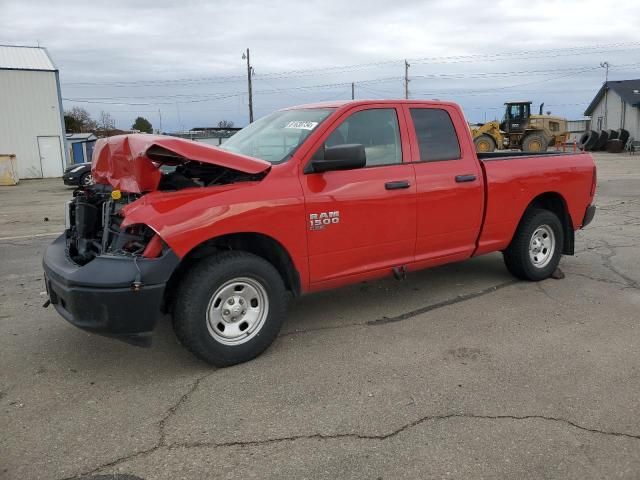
484, 143
623, 135
613, 134
85, 180
602, 140
615, 146
195, 297
583, 139
535, 142
592, 140
517, 257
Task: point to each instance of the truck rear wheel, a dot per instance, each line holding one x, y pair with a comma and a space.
230, 308
484, 143
535, 250
534, 142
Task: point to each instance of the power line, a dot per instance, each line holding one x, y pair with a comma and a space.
472, 92
472, 58
223, 95
447, 76
205, 98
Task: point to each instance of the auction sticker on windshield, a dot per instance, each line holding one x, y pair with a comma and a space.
301, 125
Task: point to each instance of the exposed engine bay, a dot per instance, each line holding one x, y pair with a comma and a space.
94, 215
93, 225
196, 174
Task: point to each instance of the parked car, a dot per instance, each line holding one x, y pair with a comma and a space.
305, 199
78, 175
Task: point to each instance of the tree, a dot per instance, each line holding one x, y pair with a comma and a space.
106, 124
225, 124
71, 124
78, 120
143, 125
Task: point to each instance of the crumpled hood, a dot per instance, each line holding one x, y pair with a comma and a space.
131, 162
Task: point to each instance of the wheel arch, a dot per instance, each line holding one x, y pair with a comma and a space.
259, 244
555, 202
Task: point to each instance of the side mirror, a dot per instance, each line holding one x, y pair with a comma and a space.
340, 157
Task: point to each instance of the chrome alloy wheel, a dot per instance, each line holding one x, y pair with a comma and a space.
87, 180
237, 311
542, 246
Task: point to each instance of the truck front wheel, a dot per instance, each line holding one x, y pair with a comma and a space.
230, 308
534, 252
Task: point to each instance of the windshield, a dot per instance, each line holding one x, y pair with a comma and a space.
276, 137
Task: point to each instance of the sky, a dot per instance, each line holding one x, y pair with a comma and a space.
180, 64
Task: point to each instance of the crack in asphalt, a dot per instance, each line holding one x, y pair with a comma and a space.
608, 264
162, 439
410, 314
600, 279
542, 290
356, 436
400, 430
445, 303
606, 257
161, 442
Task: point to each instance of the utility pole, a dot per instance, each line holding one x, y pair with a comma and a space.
179, 118
353, 91
249, 75
605, 65
160, 115
406, 79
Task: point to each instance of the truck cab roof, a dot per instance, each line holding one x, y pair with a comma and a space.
344, 103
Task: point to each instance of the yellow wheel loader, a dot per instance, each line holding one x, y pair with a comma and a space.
520, 130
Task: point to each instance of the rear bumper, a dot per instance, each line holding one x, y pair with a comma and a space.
588, 215
98, 296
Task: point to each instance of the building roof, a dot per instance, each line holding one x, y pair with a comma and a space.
629, 90
25, 58
81, 137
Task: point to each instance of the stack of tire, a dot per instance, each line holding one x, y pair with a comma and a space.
612, 141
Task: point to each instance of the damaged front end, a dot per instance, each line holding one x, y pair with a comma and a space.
107, 275
127, 167
94, 226
94, 219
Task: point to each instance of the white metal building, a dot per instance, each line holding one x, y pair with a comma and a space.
617, 105
576, 128
31, 115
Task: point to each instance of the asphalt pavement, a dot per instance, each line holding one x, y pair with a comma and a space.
456, 372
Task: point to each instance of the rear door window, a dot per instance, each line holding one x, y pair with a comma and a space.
437, 138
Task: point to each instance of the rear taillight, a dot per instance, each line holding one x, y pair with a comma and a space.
594, 181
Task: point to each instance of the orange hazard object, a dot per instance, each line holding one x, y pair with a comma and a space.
8, 169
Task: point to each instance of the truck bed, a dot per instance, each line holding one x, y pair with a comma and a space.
510, 186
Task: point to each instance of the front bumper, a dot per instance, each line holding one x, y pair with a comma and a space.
99, 296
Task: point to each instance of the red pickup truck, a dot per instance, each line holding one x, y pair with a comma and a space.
307, 198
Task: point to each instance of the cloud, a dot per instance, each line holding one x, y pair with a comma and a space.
103, 42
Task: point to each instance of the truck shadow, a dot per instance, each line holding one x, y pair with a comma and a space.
388, 300
378, 302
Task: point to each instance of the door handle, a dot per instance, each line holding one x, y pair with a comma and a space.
465, 178
397, 185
